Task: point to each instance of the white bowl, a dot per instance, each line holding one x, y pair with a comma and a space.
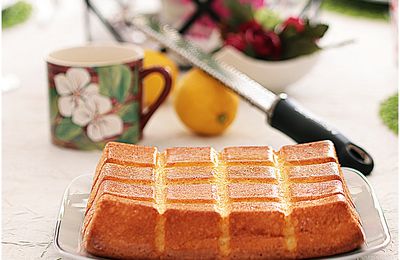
274, 75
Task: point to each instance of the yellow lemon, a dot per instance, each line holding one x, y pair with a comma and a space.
204, 104
153, 84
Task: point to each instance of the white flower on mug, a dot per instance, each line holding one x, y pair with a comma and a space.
93, 114
75, 89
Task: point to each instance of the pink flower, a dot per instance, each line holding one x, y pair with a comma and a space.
236, 40
265, 44
251, 25
295, 22
204, 25
255, 41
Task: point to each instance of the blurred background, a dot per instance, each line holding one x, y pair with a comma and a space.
365, 29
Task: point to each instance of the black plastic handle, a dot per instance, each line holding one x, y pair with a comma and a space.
302, 127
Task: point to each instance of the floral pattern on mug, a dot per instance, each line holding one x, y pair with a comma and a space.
74, 88
90, 109
100, 125
80, 99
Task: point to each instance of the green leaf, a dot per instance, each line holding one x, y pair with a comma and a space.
295, 44
320, 30
131, 135
299, 46
122, 91
130, 113
83, 142
53, 98
288, 33
66, 130
316, 31
109, 78
114, 81
239, 13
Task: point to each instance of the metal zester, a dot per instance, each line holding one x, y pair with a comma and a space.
282, 113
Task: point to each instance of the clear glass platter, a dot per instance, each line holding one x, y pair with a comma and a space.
67, 231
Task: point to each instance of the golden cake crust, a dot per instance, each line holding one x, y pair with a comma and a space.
244, 202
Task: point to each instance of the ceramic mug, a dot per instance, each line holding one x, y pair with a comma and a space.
95, 94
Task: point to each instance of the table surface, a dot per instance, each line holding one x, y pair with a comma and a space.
345, 88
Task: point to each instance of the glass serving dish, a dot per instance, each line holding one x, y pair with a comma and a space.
67, 235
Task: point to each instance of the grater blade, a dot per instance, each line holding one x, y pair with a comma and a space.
238, 82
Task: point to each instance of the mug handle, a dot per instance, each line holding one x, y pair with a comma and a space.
164, 94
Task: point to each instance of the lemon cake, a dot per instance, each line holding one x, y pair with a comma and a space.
243, 202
